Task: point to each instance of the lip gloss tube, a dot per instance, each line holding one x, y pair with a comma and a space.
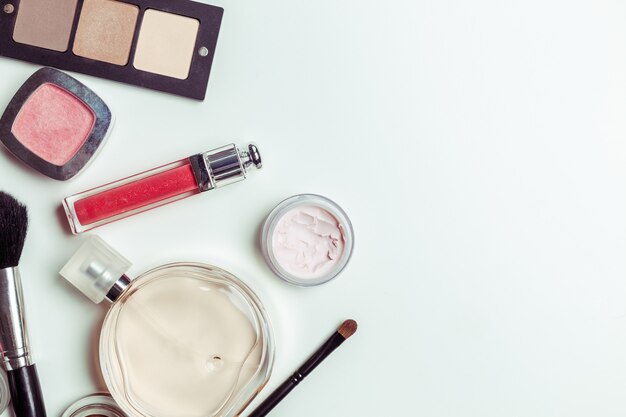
159, 186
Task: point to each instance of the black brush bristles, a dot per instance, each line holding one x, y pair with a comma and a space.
13, 226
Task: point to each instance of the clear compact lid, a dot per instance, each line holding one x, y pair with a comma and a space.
95, 405
95, 268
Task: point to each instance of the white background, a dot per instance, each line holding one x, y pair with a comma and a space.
479, 148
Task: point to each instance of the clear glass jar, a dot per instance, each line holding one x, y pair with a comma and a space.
184, 340
307, 240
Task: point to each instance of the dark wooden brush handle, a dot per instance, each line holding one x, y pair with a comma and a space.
285, 388
26, 395
276, 397
322, 353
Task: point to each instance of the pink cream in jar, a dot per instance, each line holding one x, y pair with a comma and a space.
307, 240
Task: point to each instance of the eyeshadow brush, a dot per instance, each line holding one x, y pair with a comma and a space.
26, 395
347, 329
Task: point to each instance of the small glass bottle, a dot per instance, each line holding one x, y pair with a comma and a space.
159, 186
185, 340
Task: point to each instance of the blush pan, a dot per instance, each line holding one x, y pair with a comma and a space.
55, 124
164, 45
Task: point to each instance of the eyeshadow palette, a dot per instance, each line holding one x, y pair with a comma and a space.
164, 45
55, 124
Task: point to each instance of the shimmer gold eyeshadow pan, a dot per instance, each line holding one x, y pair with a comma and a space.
163, 45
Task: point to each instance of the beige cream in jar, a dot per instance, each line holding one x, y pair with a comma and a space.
189, 340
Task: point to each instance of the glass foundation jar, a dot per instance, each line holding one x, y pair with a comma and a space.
184, 340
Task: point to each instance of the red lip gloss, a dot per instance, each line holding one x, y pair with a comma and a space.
159, 186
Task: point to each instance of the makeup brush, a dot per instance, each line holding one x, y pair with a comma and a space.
26, 394
347, 329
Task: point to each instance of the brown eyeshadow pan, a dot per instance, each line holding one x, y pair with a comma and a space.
164, 45
45, 23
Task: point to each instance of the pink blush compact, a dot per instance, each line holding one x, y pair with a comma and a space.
55, 124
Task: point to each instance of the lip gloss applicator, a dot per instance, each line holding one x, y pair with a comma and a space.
156, 187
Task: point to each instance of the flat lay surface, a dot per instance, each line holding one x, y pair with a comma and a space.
479, 150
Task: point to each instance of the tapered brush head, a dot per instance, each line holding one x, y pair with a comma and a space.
347, 329
13, 226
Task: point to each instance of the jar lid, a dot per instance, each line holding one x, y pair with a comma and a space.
95, 405
5, 394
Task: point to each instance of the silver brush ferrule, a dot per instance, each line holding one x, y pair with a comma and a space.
14, 344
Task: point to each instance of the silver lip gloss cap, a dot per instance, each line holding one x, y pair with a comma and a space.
225, 165
252, 157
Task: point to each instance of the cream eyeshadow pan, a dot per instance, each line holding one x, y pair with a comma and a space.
166, 52
160, 44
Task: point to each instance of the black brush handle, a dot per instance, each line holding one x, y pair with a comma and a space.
285, 388
277, 396
26, 395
